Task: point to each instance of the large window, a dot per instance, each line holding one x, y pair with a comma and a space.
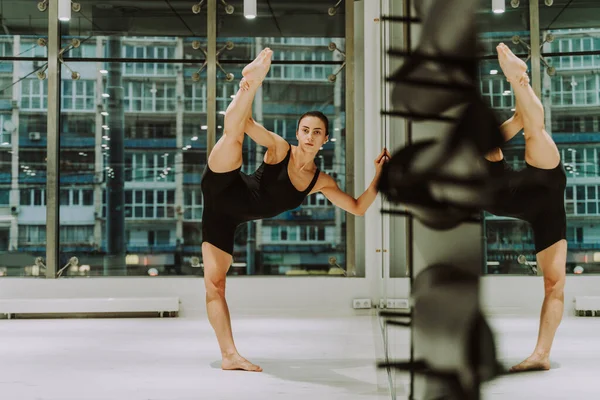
569, 93
134, 123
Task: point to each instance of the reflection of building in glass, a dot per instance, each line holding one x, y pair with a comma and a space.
165, 152
571, 100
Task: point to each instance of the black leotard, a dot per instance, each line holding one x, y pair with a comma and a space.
542, 205
233, 197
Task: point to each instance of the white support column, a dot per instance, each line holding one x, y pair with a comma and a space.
371, 140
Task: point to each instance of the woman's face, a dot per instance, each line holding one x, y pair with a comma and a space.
311, 133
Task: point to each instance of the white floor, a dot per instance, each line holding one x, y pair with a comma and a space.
303, 358
178, 359
575, 360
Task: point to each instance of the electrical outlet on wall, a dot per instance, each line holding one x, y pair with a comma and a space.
397, 303
362, 303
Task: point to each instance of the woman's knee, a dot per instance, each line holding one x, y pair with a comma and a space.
215, 287
554, 285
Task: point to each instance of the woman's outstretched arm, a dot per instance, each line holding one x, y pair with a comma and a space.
359, 206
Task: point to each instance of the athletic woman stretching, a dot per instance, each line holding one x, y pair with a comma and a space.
282, 182
542, 206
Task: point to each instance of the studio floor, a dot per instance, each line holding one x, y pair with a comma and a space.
303, 358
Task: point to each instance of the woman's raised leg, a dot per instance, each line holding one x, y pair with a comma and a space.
227, 154
540, 149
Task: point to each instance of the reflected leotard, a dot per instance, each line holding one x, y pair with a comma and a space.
233, 197
543, 205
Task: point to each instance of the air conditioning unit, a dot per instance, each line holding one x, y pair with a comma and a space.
35, 136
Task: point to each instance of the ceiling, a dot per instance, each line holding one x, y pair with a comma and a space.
305, 18
563, 14
300, 18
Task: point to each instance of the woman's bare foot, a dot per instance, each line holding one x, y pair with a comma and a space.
533, 363
237, 362
259, 68
513, 67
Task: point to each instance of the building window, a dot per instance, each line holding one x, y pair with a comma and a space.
303, 233
34, 94
581, 162
33, 197
575, 44
76, 234
4, 197
78, 125
575, 90
316, 200
148, 204
150, 96
76, 197
286, 128
302, 72
150, 167
582, 200
195, 97
32, 234
192, 201
224, 93
5, 136
149, 52
78, 95
497, 92
6, 49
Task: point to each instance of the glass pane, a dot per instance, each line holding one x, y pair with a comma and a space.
22, 189
506, 238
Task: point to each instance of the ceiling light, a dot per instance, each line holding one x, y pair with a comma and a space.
105, 113
105, 95
494, 72
498, 6
250, 9
64, 10
103, 71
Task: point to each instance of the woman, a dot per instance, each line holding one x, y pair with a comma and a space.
541, 206
287, 175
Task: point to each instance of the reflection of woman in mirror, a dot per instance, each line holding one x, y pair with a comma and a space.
542, 207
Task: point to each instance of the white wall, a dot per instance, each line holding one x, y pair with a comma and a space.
311, 296
515, 295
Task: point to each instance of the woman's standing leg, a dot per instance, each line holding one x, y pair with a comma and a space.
216, 264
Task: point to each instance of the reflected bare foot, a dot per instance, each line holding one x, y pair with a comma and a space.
239, 363
513, 67
533, 363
